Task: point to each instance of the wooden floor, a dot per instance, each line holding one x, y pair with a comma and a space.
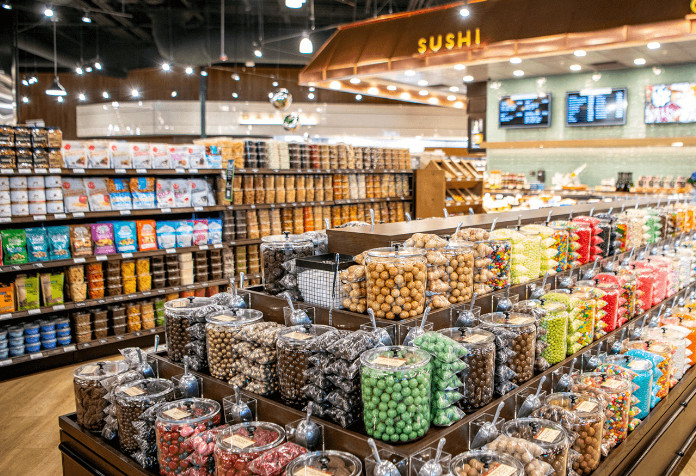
29, 411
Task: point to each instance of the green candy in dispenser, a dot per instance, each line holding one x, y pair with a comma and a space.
525, 254
549, 253
581, 318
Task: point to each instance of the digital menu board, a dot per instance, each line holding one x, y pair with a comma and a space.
670, 103
596, 107
524, 110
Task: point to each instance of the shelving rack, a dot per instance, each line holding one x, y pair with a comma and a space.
451, 184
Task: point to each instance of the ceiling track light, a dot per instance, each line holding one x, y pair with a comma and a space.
87, 18
258, 53
48, 12
294, 4
188, 70
56, 89
8, 6
97, 65
166, 66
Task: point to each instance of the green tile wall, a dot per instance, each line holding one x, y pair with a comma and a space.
601, 162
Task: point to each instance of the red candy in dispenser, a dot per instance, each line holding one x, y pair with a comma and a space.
646, 283
660, 283
273, 462
584, 233
237, 446
611, 297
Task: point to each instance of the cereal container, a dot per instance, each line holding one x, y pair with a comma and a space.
550, 436
485, 463
276, 250
89, 391
522, 343
396, 281
221, 331
396, 385
238, 445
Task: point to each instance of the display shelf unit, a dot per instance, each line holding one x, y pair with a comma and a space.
181, 171
450, 184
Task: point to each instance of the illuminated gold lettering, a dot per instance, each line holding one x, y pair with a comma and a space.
449, 41
435, 47
477, 39
422, 46
463, 40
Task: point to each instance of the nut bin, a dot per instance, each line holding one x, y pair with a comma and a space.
221, 331
459, 271
89, 391
337, 463
522, 342
276, 250
131, 400
550, 436
238, 445
485, 463
396, 393
396, 280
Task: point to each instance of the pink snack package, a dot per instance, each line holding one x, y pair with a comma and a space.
200, 232
103, 238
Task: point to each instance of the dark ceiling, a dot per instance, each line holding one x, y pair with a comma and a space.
131, 34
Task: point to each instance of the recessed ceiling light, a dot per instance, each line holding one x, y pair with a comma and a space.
235, 95
575, 67
639, 61
311, 89
409, 72
373, 90
596, 77
515, 60
518, 73
115, 104
79, 70
451, 97
88, 69
459, 67
358, 97
204, 73
275, 84
97, 65
468, 78
166, 67
59, 99
48, 11
464, 12
105, 94
188, 70
454, 89
86, 18
135, 93
174, 94
82, 97
236, 77
580, 53
25, 99
7, 6
422, 82
391, 87
335, 85
354, 80
458, 105
433, 100
653, 45
311, 96
677, 144
258, 53
405, 95
423, 92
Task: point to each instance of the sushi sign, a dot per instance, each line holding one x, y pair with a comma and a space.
450, 41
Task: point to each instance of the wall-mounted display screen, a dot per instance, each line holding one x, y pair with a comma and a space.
670, 103
596, 107
524, 110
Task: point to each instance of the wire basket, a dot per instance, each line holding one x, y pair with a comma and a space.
318, 282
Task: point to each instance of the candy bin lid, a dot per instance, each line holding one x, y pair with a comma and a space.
396, 252
100, 370
501, 319
545, 433
335, 463
582, 404
552, 307
239, 317
185, 305
395, 358
637, 364
145, 388
239, 438
469, 337
670, 335
532, 307
304, 334
490, 461
613, 384
459, 245
188, 411
287, 240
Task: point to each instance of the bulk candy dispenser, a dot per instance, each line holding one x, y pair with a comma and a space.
549, 252
550, 436
561, 243
335, 463
88, 381
520, 332
276, 250
642, 370
396, 281
573, 240
459, 272
491, 259
581, 309
485, 463
660, 348
180, 314
534, 309
396, 384
238, 445
677, 339
221, 331
555, 322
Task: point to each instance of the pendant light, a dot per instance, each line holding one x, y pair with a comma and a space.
56, 89
306, 46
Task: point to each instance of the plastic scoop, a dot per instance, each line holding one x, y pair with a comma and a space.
381, 333
567, 282
627, 259
531, 402
143, 367
372, 220
466, 318
564, 382
609, 266
408, 216
539, 292
590, 273
594, 360
433, 466
383, 468
188, 384
617, 345
240, 411
156, 344
488, 431
298, 317
495, 220
237, 301
417, 331
444, 210
505, 304
308, 433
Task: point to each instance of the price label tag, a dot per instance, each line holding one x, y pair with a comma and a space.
78, 214
27, 171
120, 171
276, 170
103, 341
547, 435
180, 170
217, 245
134, 391
119, 337
118, 298
69, 348
161, 291
612, 383
308, 471
80, 304
518, 320
190, 286
175, 289
31, 312
389, 361
140, 171
40, 171
37, 355
254, 171
586, 406
101, 301
54, 170
239, 441
177, 414
273, 205
7, 315
125, 212
78, 260
90, 369
126, 255
147, 293
60, 216
5, 219
39, 217
59, 307
474, 338
38, 265
138, 333
252, 206
78, 171
166, 210
197, 209
193, 171
171, 251
6, 362
204, 247
102, 257
16, 268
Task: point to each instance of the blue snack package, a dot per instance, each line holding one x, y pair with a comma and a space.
184, 233
166, 234
119, 193
214, 231
59, 242
125, 236
37, 244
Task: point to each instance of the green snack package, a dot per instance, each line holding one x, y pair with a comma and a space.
52, 288
444, 399
27, 292
440, 346
14, 247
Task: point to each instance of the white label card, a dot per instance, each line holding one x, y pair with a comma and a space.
59, 307
239, 441
78, 171
79, 260
547, 434
308, 471
134, 391
612, 383
38, 355
177, 414
500, 469
474, 338
389, 361
102, 257
298, 336
586, 406
125, 212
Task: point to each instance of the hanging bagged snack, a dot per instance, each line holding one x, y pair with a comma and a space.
199, 190
37, 244
81, 240
166, 234
140, 155
119, 155
98, 155
27, 288
159, 154
119, 194
74, 154
214, 231
200, 232
58, 242
97, 194
14, 247
126, 236
147, 235
143, 192
182, 194
165, 193
103, 237
52, 288
75, 195
184, 234
179, 156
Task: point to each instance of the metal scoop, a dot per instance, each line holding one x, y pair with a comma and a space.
594, 360
539, 292
417, 331
617, 345
188, 384
298, 317
240, 411
237, 301
564, 382
531, 402
381, 334
488, 431
383, 468
590, 273
433, 466
505, 304
466, 318
143, 367
308, 433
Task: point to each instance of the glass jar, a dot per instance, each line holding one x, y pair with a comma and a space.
221, 331
581, 308
555, 323
276, 250
663, 349
478, 377
642, 371
459, 271
491, 259
90, 391
179, 315
550, 436
587, 423
525, 254
294, 350
522, 343
549, 252
573, 238
177, 422
679, 364
396, 393
396, 281
354, 286
131, 400
437, 278
319, 463
615, 393
485, 463
238, 445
